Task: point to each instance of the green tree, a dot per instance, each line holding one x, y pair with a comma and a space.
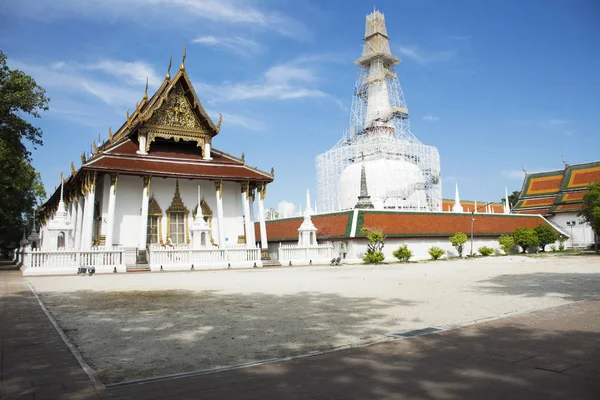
506, 243
402, 253
546, 235
20, 185
525, 237
376, 240
458, 241
590, 209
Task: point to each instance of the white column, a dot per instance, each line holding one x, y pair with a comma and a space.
246, 205
207, 156
220, 222
78, 221
88, 216
251, 197
73, 219
261, 217
144, 216
112, 201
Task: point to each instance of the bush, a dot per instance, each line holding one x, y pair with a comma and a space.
506, 243
403, 253
561, 243
486, 251
458, 241
374, 253
546, 235
526, 237
435, 252
374, 258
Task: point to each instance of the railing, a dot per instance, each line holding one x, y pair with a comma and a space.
39, 258
306, 254
204, 257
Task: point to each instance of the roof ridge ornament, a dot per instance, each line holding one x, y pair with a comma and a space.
145, 98
182, 66
219, 123
110, 135
168, 75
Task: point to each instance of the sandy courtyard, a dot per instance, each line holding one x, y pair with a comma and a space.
132, 326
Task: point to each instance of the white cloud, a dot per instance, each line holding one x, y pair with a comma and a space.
514, 174
424, 57
292, 80
176, 11
237, 120
235, 44
133, 72
286, 209
431, 118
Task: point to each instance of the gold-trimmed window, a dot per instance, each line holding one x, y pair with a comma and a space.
177, 215
154, 226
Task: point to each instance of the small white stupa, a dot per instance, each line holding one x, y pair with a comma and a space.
457, 207
307, 233
59, 225
200, 229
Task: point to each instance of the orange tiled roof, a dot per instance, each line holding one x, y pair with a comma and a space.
401, 224
546, 193
469, 205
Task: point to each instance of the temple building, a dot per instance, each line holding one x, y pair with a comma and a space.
558, 195
158, 183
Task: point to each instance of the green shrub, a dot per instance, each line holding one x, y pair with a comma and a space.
546, 235
506, 243
525, 237
486, 251
435, 252
561, 243
403, 253
374, 257
458, 241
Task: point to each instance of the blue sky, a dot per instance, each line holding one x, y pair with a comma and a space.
493, 85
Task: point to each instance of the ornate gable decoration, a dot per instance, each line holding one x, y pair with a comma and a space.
177, 205
154, 209
175, 119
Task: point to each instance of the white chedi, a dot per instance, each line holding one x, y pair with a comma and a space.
392, 184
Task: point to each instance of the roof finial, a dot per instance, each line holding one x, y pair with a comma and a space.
168, 76
110, 134
523, 168
182, 66
219, 124
564, 161
146, 90
61, 186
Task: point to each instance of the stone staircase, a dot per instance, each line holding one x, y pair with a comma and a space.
138, 268
271, 263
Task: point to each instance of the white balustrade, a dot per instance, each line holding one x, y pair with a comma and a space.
204, 258
319, 254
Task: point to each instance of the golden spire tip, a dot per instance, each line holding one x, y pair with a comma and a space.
182, 67
168, 76
146, 90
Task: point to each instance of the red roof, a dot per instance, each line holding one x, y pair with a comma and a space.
402, 224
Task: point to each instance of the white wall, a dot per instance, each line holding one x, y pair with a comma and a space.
128, 208
419, 247
233, 212
581, 233
102, 198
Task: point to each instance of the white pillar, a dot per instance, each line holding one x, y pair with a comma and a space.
73, 219
78, 221
207, 152
144, 216
251, 198
220, 223
142, 144
246, 205
88, 216
112, 201
261, 217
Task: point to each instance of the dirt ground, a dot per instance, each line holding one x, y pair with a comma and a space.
132, 326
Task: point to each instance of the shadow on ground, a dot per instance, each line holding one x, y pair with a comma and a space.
528, 358
572, 287
132, 335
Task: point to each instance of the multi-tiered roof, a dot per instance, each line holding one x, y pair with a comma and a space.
551, 192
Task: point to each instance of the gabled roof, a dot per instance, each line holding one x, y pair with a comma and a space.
469, 205
551, 192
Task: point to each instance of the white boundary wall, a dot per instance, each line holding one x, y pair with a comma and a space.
305, 255
59, 262
184, 259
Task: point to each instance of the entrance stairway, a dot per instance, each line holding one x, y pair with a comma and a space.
138, 268
271, 263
